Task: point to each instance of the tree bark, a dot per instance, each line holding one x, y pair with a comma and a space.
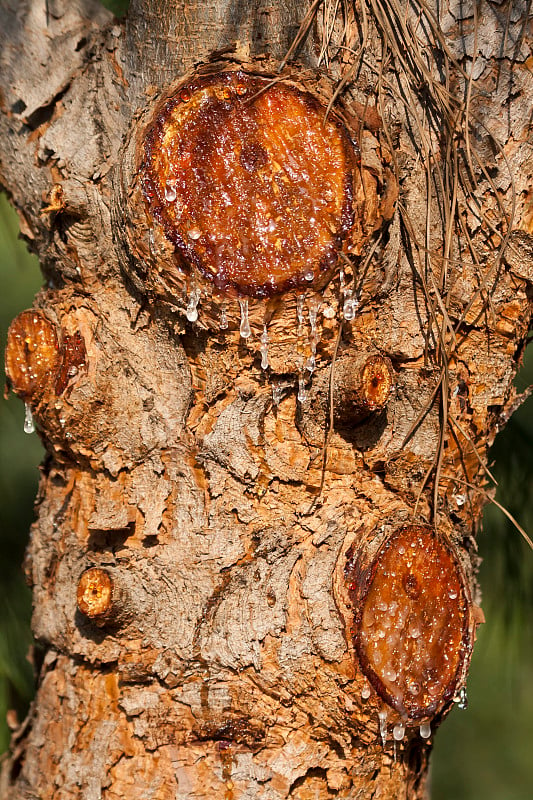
238, 521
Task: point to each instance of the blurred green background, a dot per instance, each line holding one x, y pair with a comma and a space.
483, 753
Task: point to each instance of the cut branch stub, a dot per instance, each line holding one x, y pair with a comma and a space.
112, 597
95, 593
250, 182
361, 386
413, 624
32, 355
103, 597
42, 362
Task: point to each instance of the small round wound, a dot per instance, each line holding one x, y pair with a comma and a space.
94, 596
32, 355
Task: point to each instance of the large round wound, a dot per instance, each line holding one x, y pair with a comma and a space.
251, 182
412, 630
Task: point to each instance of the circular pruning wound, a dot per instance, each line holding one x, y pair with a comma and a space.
32, 355
412, 629
251, 183
377, 382
95, 593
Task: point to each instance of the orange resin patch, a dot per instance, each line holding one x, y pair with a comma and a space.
412, 630
377, 382
95, 593
32, 355
250, 182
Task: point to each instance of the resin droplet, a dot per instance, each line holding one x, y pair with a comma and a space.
349, 307
223, 317
277, 393
461, 698
245, 329
192, 304
264, 348
383, 727
366, 691
302, 391
170, 193
398, 731
29, 427
425, 730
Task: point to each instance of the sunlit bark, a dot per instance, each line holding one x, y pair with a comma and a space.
217, 510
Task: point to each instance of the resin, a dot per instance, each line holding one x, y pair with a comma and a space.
250, 182
412, 640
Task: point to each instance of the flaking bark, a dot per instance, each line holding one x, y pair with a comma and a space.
233, 674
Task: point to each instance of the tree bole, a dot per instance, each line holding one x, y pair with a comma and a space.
236, 454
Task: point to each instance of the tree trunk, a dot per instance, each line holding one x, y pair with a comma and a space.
254, 560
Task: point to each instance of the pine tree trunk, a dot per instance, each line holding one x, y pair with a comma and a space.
219, 560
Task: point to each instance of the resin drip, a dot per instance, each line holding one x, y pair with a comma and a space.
313, 336
264, 348
29, 426
382, 715
245, 329
192, 304
300, 312
349, 306
398, 732
277, 393
425, 730
223, 317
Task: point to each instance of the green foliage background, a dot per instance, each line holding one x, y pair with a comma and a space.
483, 753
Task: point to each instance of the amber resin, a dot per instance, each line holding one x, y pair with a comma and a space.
412, 628
95, 593
250, 182
32, 355
377, 382
73, 359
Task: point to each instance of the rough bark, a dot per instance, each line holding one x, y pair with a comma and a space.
228, 530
